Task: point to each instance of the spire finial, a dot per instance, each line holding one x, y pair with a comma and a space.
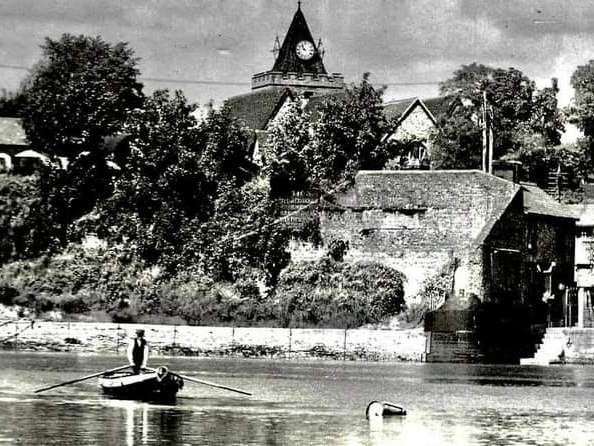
298, 5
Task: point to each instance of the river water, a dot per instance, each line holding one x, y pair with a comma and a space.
300, 402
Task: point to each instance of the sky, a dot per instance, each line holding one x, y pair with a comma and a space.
211, 48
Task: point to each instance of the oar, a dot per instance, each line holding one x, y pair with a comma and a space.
207, 383
82, 379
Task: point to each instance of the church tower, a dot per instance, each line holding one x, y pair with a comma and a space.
299, 64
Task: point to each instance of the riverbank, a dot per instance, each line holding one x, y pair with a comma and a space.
184, 340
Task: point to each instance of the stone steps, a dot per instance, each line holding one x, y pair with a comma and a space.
552, 348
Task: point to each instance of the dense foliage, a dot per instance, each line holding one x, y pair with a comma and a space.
30, 222
582, 109
519, 110
330, 293
186, 226
315, 152
569, 160
80, 92
186, 195
78, 280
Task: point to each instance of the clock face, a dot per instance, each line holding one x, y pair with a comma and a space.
305, 50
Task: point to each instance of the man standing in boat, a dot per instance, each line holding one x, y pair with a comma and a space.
138, 351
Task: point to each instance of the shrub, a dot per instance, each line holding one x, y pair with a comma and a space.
337, 249
79, 280
432, 294
331, 294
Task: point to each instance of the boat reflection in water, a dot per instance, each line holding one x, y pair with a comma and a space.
146, 423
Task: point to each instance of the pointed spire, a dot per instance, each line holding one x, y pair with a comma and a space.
276, 47
321, 49
288, 59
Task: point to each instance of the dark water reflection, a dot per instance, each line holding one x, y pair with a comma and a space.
296, 402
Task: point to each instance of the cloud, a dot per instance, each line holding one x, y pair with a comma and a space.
229, 40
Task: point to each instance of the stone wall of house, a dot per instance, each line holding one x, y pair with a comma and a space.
84, 337
506, 238
413, 222
416, 265
416, 125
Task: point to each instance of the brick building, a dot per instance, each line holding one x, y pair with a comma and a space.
509, 243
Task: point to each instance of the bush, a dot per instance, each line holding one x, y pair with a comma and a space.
80, 280
331, 294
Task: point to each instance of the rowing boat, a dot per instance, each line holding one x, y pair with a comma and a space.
159, 384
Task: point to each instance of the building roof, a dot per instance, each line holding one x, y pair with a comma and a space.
287, 60
538, 202
12, 132
447, 208
401, 108
395, 109
423, 189
257, 108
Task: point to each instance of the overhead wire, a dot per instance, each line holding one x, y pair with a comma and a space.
226, 83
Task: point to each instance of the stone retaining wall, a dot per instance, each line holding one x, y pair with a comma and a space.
407, 345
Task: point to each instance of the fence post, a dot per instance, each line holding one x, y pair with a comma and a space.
16, 336
344, 345
174, 340
290, 340
118, 338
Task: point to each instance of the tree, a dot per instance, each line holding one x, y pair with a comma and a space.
519, 109
457, 141
538, 163
80, 92
185, 195
347, 137
582, 110
226, 156
164, 182
284, 157
344, 135
547, 120
243, 233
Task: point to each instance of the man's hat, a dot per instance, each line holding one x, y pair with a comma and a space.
140, 331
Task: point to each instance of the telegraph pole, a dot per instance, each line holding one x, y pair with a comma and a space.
485, 135
487, 115
490, 126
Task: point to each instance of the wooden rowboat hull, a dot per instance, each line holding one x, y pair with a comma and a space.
145, 386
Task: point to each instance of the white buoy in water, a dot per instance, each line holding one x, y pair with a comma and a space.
378, 409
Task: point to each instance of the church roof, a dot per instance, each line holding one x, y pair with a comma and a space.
255, 109
287, 60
